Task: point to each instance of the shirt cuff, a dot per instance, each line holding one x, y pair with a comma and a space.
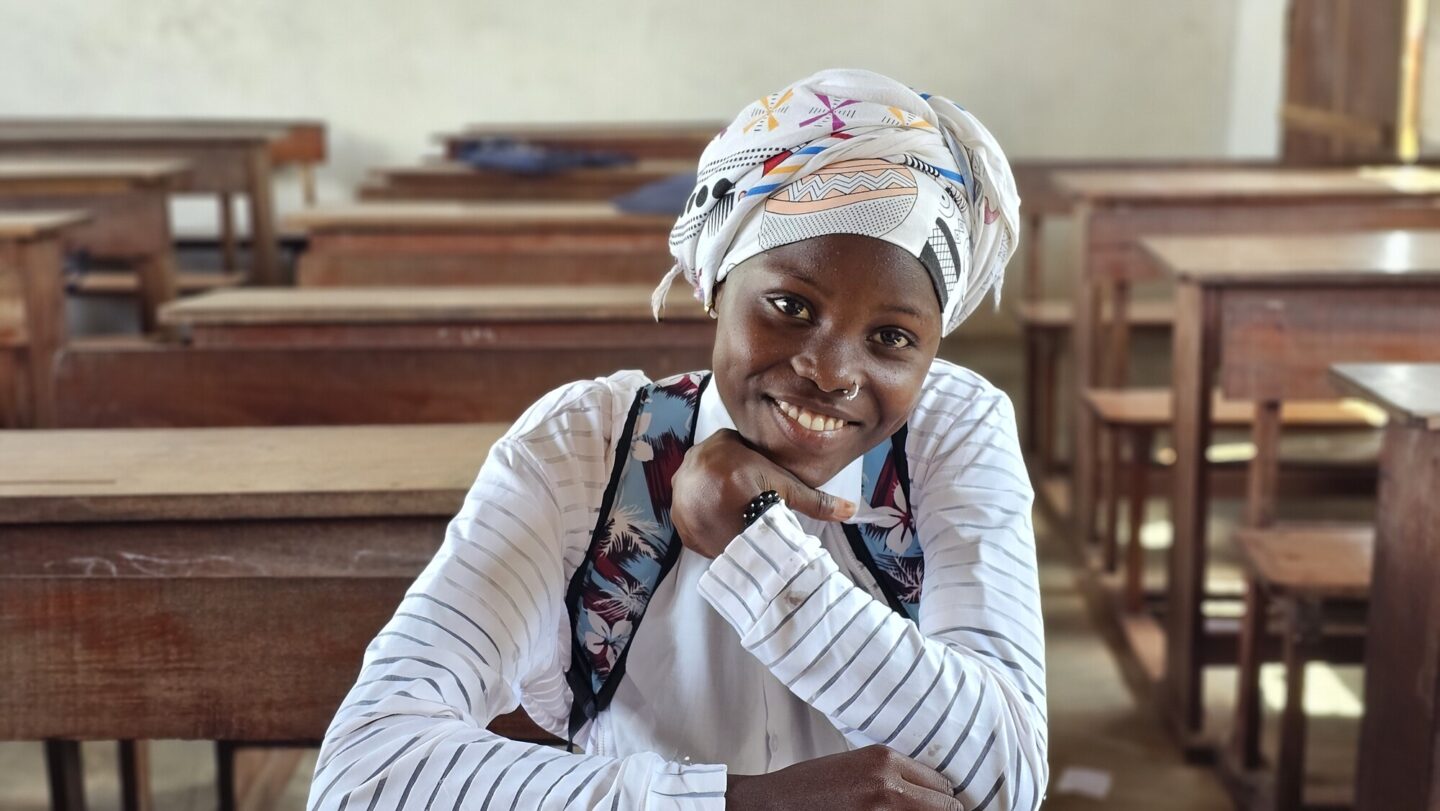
759, 565
679, 785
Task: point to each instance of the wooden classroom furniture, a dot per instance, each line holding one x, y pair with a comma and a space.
1319, 578
212, 584
227, 158
32, 263
1263, 317
1129, 419
1114, 210
129, 207
675, 140
1399, 768
331, 356
1045, 320
422, 244
451, 180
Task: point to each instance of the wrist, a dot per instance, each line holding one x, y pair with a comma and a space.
757, 507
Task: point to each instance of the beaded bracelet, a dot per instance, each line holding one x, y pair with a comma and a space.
758, 505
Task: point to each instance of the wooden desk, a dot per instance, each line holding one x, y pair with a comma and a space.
1264, 317
226, 157
673, 140
1400, 732
129, 206
32, 311
1114, 210
459, 181
331, 356
211, 584
423, 244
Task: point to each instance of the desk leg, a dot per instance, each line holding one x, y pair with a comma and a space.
158, 284
264, 250
1083, 347
1399, 768
1193, 358
228, 248
135, 792
67, 777
42, 266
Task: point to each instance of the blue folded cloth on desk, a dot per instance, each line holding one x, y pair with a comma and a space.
524, 158
666, 196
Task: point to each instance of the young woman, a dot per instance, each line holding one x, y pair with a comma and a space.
803, 580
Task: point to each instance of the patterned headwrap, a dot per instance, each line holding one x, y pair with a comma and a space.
853, 152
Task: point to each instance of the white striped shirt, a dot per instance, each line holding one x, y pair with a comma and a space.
780, 650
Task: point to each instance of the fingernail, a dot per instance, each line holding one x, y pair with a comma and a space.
845, 510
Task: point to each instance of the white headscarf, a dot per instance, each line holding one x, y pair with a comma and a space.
853, 152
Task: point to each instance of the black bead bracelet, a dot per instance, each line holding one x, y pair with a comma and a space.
758, 505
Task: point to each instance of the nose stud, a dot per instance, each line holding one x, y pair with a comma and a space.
854, 390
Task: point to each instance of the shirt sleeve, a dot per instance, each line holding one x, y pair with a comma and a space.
487, 611
964, 691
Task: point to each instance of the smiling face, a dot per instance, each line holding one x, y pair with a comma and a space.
801, 325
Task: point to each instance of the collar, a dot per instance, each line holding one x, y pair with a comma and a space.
713, 417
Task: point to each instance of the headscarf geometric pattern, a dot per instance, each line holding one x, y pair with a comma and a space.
853, 152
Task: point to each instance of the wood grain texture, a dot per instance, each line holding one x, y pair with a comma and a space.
1394, 257
1321, 561
1284, 186
594, 303
1399, 747
65, 476
1279, 343
22, 225
133, 384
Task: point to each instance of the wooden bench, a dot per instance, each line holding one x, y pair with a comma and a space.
227, 158
1115, 210
330, 356
451, 180
1400, 732
32, 324
129, 207
1264, 317
671, 140
1044, 327
422, 244
1129, 420
140, 571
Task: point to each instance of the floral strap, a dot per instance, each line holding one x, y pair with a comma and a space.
634, 545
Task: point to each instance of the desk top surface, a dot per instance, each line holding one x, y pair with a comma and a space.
380, 305
499, 216
100, 130
1370, 258
1408, 391
238, 473
50, 169
1250, 185
21, 225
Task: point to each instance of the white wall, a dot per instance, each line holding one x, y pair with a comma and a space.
1051, 77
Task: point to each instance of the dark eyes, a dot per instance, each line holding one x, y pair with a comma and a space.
793, 307
894, 338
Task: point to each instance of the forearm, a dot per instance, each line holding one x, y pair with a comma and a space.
419, 762
872, 672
